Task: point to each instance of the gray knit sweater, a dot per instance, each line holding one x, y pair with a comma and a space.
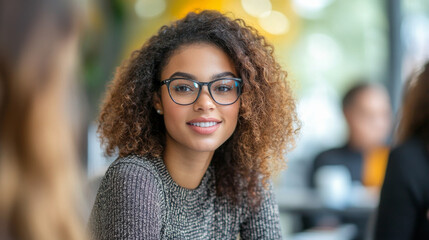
138, 199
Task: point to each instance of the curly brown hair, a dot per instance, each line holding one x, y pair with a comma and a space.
267, 123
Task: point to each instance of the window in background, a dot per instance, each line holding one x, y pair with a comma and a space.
415, 35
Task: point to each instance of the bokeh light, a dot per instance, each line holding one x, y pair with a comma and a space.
149, 8
256, 7
310, 8
274, 22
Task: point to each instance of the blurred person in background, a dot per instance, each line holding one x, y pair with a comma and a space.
367, 111
403, 211
362, 159
38, 167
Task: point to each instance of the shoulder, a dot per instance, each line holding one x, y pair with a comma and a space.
333, 155
135, 161
411, 153
129, 201
411, 147
130, 179
133, 164
132, 172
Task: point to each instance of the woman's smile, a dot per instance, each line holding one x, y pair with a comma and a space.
204, 125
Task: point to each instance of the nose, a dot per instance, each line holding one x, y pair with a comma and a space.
204, 101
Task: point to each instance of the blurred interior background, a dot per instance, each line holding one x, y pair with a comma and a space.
325, 45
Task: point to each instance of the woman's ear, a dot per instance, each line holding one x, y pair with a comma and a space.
157, 104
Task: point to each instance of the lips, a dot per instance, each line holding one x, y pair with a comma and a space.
204, 125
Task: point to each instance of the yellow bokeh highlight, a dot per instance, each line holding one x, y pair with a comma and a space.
179, 9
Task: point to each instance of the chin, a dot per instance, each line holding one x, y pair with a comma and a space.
205, 147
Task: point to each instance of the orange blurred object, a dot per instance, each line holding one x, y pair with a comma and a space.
374, 167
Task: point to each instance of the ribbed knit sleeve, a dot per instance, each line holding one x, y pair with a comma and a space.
263, 223
127, 205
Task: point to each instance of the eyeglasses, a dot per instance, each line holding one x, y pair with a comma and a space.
183, 91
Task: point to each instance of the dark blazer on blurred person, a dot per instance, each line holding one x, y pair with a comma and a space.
404, 201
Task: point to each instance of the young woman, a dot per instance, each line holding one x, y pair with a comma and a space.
201, 117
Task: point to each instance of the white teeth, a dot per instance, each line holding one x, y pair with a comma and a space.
204, 124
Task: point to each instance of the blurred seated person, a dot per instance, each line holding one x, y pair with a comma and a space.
367, 112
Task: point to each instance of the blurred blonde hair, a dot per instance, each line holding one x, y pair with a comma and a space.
414, 118
38, 167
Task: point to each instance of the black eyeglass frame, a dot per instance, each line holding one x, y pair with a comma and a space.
201, 84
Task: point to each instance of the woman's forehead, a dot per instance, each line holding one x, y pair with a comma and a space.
201, 60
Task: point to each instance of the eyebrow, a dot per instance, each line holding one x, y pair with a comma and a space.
182, 74
190, 76
224, 74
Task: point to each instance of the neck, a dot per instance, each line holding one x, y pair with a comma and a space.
186, 167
